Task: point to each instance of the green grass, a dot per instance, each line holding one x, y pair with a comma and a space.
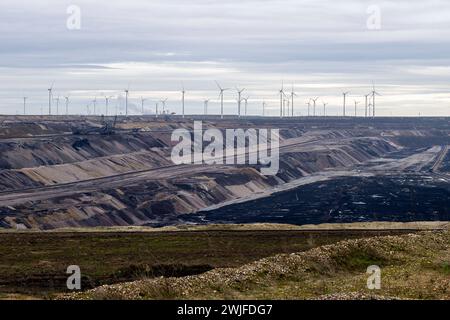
412, 267
445, 268
36, 263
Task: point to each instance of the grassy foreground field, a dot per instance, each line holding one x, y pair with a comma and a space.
33, 264
414, 266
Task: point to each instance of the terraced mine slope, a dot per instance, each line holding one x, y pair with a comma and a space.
77, 172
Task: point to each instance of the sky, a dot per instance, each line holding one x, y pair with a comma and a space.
320, 48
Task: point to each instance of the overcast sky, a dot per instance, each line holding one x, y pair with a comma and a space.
322, 47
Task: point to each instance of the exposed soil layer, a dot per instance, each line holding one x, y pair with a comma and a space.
78, 172
408, 198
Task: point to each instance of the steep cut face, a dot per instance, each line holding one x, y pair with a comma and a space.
85, 178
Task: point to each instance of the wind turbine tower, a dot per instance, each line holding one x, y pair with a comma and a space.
309, 107
366, 104
126, 100
142, 104
25, 105
57, 105
356, 107
95, 105
183, 92
345, 96
163, 101
107, 104
222, 90
239, 91
67, 104
205, 107
314, 105
374, 93
292, 100
246, 104
282, 100
50, 94
324, 108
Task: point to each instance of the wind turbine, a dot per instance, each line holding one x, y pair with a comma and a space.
222, 90
163, 101
95, 104
142, 104
25, 105
309, 106
126, 100
366, 96
205, 107
282, 99
314, 105
287, 106
374, 93
239, 100
67, 104
356, 106
156, 110
324, 108
246, 104
183, 92
57, 105
264, 108
107, 103
292, 100
345, 95
50, 94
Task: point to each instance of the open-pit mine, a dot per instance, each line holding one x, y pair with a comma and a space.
74, 171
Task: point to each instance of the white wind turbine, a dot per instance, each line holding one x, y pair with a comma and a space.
356, 106
264, 108
246, 104
374, 93
163, 101
127, 91
314, 105
95, 105
107, 98
57, 105
293, 94
324, 108
205, 106
142, 104
50, 95
25, 105
366, 96
239, 100
309, 107
183, 92
345, 96
282, 95
67, 104
222, 90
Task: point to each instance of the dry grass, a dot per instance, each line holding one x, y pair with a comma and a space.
414, 266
